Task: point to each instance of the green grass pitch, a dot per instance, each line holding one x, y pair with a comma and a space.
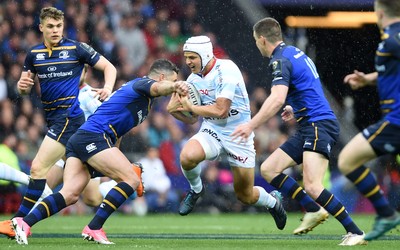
195, 231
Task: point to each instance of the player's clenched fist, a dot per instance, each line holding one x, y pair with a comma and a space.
25, 83
181, 88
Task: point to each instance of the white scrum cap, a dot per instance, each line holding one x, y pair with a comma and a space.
201, 45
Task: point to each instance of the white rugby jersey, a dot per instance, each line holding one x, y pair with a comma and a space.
224, 80
87, 102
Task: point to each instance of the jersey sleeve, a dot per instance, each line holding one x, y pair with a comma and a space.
28, 64
281, 70
87, 54
226, 82
143, 85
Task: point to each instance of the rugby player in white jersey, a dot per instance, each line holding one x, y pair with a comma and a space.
224, 105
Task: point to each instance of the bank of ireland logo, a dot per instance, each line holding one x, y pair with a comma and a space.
63, 54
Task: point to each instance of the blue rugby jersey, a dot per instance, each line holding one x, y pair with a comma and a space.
59, 70
293, 68
124, 109
387, 64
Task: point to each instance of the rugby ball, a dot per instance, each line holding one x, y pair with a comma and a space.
194, 97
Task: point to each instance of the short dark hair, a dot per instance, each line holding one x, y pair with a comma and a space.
51, 12
390, 7
164, 66
269, 28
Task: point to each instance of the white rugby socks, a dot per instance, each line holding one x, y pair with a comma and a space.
265, 199
194, 179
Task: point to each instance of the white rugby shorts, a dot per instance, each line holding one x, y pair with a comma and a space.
216, 145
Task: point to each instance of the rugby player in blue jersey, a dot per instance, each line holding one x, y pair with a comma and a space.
58, 63
383, 137
296, 83
91, 151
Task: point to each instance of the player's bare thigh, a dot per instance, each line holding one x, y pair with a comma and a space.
49, 153
357, 152
114, 164
275, 164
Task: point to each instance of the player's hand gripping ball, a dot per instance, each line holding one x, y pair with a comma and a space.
194, 98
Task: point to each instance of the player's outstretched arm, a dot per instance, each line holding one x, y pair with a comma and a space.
359, 79
165, 87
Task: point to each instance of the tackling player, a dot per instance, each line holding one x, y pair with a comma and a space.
91, 151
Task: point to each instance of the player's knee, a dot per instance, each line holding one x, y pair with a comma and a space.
342, 162
313, 189
267, 172
70, 197
188, 161
92, 201
38, 171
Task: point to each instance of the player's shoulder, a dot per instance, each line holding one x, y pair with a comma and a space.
392, 36
38, 46
142, 80
193, 78
226, 62
68, 42
226, 65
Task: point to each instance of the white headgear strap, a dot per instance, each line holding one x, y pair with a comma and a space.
201, 45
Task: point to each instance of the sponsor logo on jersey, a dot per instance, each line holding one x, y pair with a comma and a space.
231, 113
212, 133
366, 132
51, 131
238, 158
389, 147
88, 49
307, 143
64, 54
203, 91
40, 56
380, 68
91, 147
54, 74
52, 68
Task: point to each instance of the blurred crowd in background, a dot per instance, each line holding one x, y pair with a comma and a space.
132, 34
